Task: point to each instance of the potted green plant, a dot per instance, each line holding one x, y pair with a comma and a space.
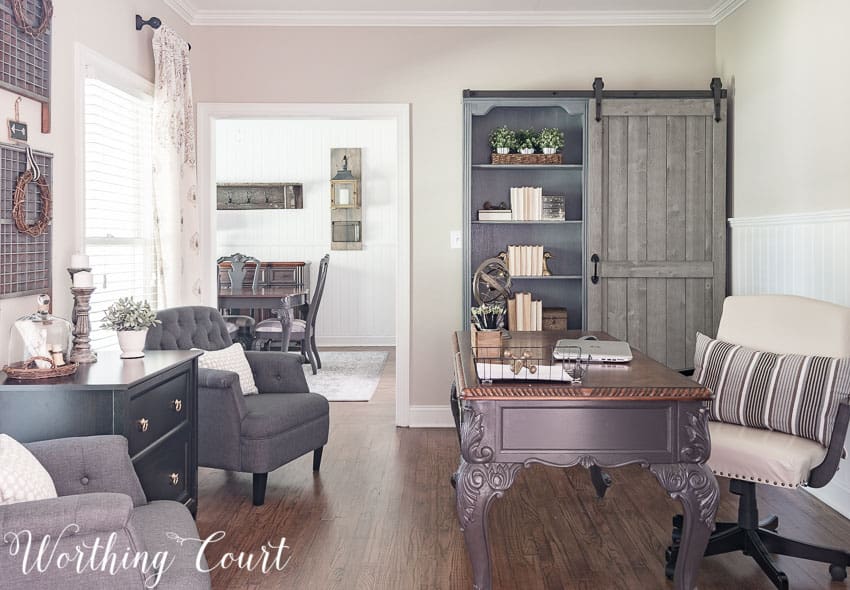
526, 141
551, 140
131, 320
502, 140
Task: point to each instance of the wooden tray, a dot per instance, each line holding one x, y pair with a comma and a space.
26, 370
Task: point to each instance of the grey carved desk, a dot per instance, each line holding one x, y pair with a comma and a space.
641, 413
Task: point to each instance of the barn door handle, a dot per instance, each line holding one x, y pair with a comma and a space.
595, 260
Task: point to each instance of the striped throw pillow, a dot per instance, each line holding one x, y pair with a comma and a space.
789, 393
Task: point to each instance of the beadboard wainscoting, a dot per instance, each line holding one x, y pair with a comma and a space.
358, 307
805, 254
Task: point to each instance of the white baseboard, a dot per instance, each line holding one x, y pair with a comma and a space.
836, 495
431, 416
344, 341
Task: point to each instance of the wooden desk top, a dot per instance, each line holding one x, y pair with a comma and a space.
641, 379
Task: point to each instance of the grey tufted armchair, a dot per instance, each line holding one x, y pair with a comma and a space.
99, 493
249, 433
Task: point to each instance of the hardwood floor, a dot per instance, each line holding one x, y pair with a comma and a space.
380, 514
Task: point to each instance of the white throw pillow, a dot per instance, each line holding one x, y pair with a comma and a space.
22, 477
233, 359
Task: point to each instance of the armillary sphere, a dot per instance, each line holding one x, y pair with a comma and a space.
491, 282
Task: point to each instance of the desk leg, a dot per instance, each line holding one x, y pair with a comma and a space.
478, 484
695, 486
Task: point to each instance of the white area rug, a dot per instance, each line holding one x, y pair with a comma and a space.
347, 376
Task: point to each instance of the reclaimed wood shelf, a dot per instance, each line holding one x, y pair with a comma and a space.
259, 195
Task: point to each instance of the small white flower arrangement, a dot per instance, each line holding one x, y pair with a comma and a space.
551, 140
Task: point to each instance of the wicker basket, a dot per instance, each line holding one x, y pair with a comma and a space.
542, 159
27, 370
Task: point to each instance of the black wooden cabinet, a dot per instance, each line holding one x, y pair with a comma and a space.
152, 401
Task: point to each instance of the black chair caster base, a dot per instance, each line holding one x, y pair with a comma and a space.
838, 573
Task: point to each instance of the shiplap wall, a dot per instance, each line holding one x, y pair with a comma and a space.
806, 254
358, 307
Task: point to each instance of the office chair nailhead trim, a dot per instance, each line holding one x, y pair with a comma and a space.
759, 480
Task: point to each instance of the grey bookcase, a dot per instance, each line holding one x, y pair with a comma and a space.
483, 112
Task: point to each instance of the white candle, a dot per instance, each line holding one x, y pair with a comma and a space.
79, 261
344, 196
83, 279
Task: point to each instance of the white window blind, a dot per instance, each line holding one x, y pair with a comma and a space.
118, 215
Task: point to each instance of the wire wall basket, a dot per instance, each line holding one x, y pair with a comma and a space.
507, 363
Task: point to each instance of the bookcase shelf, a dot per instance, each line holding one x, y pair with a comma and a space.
564, 239
548, 278
512, 222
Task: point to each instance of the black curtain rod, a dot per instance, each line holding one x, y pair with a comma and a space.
153, 22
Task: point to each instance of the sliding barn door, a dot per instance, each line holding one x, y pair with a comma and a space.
656, 221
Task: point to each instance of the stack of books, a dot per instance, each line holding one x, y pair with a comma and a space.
525, 261
525, 314
495, 215
526, 203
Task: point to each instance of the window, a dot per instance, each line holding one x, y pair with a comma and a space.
118, 212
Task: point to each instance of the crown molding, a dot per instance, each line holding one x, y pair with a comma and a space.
451, 18
184, 9
724, 8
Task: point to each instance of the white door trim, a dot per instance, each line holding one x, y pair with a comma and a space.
209, 113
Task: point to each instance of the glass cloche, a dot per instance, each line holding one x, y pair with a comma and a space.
40, 335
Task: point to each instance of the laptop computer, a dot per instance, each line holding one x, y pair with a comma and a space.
593, 351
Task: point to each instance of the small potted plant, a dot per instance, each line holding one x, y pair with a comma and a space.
551, 140
502, 140
526, 141
131, 320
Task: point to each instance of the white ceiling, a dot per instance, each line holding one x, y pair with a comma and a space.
454, 12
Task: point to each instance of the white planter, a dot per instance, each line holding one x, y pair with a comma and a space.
526, 151
549, 150
132, 343
503, 150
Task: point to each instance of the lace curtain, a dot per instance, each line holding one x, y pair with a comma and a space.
176, 220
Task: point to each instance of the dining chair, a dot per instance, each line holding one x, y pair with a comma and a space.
303, 331
240, 327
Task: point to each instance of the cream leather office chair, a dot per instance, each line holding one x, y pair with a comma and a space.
787, 325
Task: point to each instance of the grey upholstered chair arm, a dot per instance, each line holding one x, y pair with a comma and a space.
217, 379
277, 372
68, 516
90, 464
219, 392
822, 474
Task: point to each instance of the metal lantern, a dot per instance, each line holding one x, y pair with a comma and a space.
345, 188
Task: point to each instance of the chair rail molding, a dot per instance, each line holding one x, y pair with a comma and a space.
802, 254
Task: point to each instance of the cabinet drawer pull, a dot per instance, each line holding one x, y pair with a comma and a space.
177, 405
175, 478
144, 424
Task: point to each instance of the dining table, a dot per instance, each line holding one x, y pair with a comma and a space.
281, 300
